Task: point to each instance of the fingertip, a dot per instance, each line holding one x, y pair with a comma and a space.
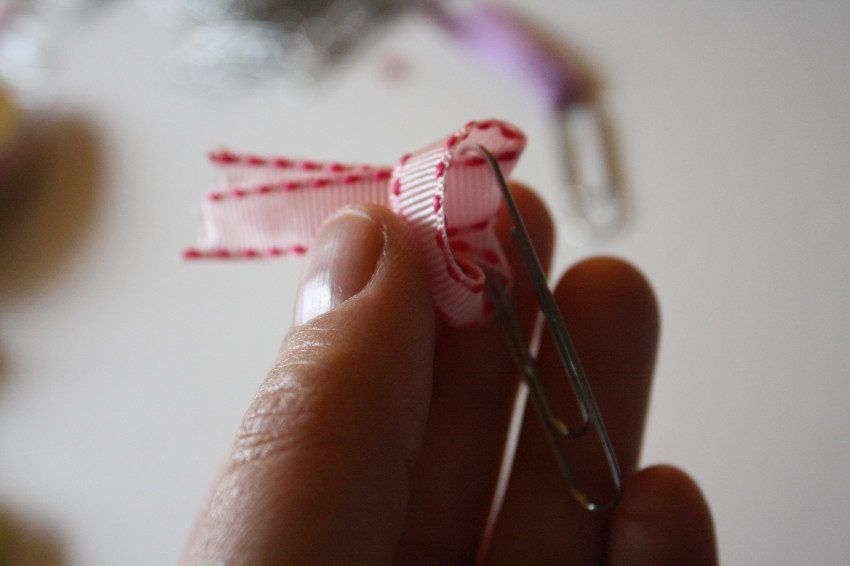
607, 296
608, 267
384, 216
399, 284
641, 490
663, 518
615, 279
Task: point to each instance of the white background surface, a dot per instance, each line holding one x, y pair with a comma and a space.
124, 372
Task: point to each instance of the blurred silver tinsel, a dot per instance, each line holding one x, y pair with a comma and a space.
226, 42
221, 43
31, 35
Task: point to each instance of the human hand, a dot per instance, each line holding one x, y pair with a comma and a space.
377, 436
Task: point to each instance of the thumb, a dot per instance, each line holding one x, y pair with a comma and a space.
319, 470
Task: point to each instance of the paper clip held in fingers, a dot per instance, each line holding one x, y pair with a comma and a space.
555, 428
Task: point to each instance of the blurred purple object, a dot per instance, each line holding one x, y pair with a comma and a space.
502, 38
595, 207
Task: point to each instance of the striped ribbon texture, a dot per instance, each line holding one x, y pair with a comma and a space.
272, 207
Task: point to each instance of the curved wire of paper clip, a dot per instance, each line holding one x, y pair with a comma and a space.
596, 207
554, 427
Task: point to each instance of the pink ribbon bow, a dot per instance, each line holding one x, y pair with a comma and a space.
271, 207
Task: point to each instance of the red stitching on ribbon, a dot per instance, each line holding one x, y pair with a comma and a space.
227, 157
245, 253
382, 175
507, 133
452, 271
467, 268
477, 160
453, 264
318, 183
477, 226
224, 157
480, 225
491, 256
459, 246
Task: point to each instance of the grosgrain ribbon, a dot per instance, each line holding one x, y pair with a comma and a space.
272, 207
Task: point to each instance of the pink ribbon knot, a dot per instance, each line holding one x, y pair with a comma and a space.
272, 207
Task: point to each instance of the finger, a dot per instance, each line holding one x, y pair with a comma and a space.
319, 471
474, 387
662, 519
612, 316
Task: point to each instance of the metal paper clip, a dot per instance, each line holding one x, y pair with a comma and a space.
555, 428
596, 208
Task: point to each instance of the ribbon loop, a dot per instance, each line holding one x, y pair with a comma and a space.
269, 207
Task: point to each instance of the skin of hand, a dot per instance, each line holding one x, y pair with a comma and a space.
377, 436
